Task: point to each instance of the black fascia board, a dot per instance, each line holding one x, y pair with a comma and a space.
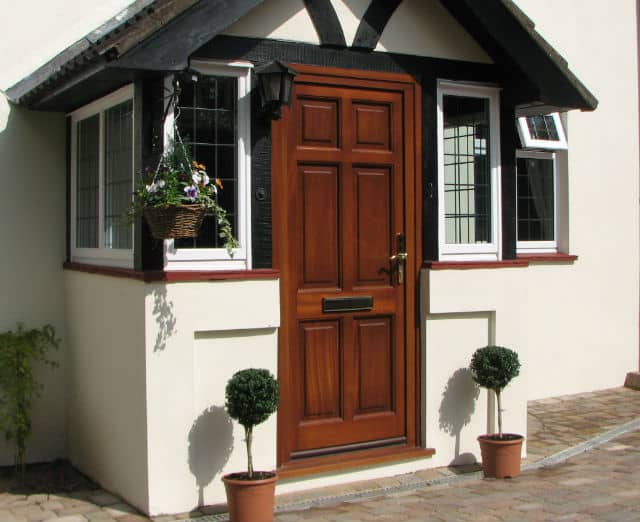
510, 39
170, 48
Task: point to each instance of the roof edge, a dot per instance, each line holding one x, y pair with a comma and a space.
82, 50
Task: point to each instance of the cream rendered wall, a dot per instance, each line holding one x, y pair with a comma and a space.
591, 309
425, 28
197, 335
106, 379
33, 199
418, 27
279, 20
32, 230
31, 31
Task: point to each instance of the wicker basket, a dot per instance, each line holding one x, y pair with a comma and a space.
174, 222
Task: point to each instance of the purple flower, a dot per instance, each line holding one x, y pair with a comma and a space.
191, 191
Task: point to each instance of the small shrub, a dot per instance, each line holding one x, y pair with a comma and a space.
20, 350
493, 367
251, 397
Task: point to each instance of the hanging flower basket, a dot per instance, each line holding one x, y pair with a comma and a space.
175, 196
174, 222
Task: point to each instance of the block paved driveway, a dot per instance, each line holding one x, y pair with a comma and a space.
600, 484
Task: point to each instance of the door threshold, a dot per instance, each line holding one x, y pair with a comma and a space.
355, 459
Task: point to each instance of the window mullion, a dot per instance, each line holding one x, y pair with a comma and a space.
101, 180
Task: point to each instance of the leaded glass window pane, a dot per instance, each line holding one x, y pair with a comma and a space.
467, 172
207, 122
536, 199
542, 127
118, 174
87, 183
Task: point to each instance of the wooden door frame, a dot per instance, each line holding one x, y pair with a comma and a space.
412, 107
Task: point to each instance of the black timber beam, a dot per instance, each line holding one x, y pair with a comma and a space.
373, 22
170, 48
326, 22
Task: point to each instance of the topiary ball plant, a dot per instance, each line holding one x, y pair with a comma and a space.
493, 367
251, 397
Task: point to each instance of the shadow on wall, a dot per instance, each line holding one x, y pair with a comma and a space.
457, 407
163, 312
33, 223
210, 445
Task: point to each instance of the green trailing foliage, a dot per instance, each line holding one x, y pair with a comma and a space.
251, 397
493, 367
20, 351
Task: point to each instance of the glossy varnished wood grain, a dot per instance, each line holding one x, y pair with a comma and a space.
344, 171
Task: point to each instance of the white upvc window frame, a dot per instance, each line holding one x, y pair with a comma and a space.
115, 257
530, 143
205, 259
540, 247
490, 251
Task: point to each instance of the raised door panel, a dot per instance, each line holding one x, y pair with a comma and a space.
374, 196
372, 123
375, 365
318, 221
321, 354
319, 122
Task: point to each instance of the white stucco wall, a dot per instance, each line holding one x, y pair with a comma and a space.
33, 200
425, 28
198, 334
31, 32
106, 384
32, 229
592, 308
418, 27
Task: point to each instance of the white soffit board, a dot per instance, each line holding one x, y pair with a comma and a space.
279, 20
425, 28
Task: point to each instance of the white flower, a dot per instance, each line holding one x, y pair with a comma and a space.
155, 186
205, 179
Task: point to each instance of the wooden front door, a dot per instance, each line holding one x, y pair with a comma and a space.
344, 215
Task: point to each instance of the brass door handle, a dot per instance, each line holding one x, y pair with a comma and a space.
400, 257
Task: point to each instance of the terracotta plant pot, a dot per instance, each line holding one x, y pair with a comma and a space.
501, 457
250, 500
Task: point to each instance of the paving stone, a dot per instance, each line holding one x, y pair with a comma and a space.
7, 516
103, 498
52, 505
77, 510
70, 518
120, 510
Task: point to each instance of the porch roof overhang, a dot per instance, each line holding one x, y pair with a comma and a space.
143, 40
509, 37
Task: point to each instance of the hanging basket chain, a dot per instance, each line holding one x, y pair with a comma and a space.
172, 105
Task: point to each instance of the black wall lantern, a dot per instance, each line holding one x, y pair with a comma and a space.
275, 83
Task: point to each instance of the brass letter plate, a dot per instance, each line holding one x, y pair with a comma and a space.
358, 303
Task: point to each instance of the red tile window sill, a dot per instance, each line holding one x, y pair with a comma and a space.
522, 260
175, 276
550, 258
